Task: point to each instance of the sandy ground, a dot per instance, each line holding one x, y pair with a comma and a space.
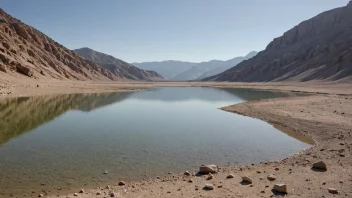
325, 116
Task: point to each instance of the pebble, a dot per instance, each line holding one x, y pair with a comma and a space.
210, 176
190, 181
209, 187
258, 171
206, 169
271, 177
112, 194
121, 183
81, 191
187, 173
320, 165
333, 191
75, 194
281, 188
40, 195
105, 172
98, 193
230, 176
247, 179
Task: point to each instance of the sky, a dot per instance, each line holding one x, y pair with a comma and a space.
156, 30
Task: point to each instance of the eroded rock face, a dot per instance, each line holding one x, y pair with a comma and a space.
317, 49
26, 51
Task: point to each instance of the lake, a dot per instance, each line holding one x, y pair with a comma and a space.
69, 141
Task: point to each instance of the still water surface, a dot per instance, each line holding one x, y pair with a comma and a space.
68, 141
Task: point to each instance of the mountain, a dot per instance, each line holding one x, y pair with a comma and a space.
317, 49
168, 69
25, 51
182, 71
205, 69
117, 66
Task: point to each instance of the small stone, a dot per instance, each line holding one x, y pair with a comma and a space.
208, 187
271, 177
105, 172
121, 183
333, 191
246, 179
262, 191
187, 173
190, 181
258, 171
210, 176
230, 176
40, 195
251, 185
75, 194
220, 186
281, 188
320, 165
206, 169
169, 173
112, 194
277, 169
81, 191
168, 191
98, 193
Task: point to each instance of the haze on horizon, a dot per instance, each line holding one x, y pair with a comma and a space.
156, 30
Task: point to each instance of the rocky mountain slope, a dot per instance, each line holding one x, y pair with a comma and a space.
317, 49
117, 66
26, 51
168, 69
210, 68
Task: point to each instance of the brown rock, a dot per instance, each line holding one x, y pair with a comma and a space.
187, 173
271, 177
333, 191
230, 176
320, 165
206, 169
247, 179
281, 188
209, 187
121, 183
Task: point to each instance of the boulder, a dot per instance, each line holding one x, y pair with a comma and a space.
206, 169
281, 188
209, 187
320, 165
247, 179
271, 177
333, 191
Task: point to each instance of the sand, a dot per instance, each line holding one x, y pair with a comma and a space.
325, 115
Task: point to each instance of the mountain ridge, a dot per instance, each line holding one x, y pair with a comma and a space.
319, 48
118, 67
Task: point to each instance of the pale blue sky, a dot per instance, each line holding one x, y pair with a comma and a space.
154, 30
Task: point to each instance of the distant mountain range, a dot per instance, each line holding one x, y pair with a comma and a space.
184, 71
317, 49
117, 66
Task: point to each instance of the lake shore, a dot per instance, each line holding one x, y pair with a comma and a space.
324, 116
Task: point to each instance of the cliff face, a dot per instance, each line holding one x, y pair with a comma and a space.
25, 50
317, 49
118, 67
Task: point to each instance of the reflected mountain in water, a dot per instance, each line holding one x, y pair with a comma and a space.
20, 115
206, 94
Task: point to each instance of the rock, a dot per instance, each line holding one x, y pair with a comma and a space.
121, 183
209, 187
24, 70
206, 169
281, 188
271, 177
98, 193
320, 165
40, 195
190, 181
187, 173
230, 176
81, 191
105, 172
258, 171
246, 179
75, 194
112, 194
333, 191
210, 176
